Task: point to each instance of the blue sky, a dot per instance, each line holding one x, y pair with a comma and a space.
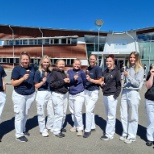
118, 15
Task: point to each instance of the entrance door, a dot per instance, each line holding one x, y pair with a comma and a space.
120, 62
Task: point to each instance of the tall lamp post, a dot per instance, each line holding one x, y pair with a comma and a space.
99, 24
12, 43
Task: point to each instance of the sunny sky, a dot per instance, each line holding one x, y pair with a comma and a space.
118, 15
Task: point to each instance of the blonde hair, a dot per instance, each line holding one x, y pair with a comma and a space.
41, 63
59, 61
138, 63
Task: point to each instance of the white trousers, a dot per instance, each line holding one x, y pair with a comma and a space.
110, 105
75, 106
129, 112
150, 119
91, 98
22, 104
59, 106
2, 102
44, 103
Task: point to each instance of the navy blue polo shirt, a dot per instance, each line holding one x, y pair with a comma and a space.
2, 74
38, 78
94, 73
27, 86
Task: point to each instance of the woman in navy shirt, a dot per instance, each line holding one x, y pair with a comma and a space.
76, 95
43, 97
23, 94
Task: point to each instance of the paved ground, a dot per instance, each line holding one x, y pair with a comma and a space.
71, 144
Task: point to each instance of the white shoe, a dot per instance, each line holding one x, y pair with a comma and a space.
122, 138
73, 129
80, 133
45, 134
130, 140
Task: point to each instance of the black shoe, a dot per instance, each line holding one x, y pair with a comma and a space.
22, 139
60, 135
93, 130
86, 134
26, 133
63, 130
149, 143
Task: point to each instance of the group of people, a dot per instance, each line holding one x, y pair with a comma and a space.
56, 89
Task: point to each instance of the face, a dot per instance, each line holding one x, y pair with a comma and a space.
77, 65
25, 61
132, 59
109, 63
61, 65
92, 60
45, 63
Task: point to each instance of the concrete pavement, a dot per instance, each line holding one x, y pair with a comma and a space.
71, 144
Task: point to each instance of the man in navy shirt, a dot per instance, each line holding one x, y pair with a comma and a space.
2, 89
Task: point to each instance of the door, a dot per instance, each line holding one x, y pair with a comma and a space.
120, 62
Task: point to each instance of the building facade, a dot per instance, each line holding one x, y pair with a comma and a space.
72, 44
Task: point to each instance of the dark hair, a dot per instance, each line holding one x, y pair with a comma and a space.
110, 56
24, 54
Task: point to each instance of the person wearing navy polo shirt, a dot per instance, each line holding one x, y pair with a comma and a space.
94, 80
43, 96
76, 95
23, 94
2, 89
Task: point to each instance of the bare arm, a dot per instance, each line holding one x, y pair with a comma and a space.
19, 81
98, 81
39, 84
4, 86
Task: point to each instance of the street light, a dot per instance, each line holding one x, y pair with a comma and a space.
99, 24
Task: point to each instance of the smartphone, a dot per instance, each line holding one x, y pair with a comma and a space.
27, 71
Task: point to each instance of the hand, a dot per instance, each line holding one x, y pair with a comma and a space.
125, 73
152, 71
102, 83
67, 80
44, 79
25, 77
76, 76
88, 77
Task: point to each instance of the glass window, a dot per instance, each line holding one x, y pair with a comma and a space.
39, 42
74, 41
25, 42
51, 41
46, 41
31, 42
18, 42
63, 41
69, 40
56, 41
10, 42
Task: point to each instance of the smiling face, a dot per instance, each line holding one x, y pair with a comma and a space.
92, 60
110, 63
132, 59
25, 61
77, 65
45, 63
60, 65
